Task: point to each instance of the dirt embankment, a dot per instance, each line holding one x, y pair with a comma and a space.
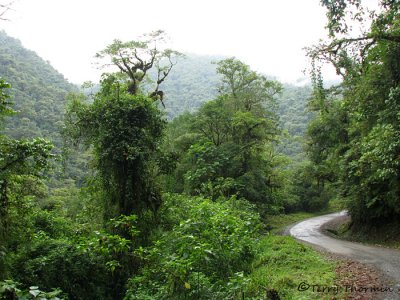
387, 235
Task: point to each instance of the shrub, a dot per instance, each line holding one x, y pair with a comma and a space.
207, 252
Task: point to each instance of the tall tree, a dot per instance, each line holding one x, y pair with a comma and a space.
252, 97
136, 58
124, 125
367, 144
232, 135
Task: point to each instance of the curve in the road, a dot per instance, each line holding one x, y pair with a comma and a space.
387, 260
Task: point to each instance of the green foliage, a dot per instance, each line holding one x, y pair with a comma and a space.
38, 92
124, 130
211, 165
354, 142
326, 139
207, 251
22, 156
313, 193
94, 266
20, 161
59, 263
224, 147
4, 96
9, 290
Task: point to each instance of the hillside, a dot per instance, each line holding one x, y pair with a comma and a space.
294, 118
38, 91
38, 94
193, 81
173, 177
131, 177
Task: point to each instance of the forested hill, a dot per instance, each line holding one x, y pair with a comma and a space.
193, 81
38, 92
294, 118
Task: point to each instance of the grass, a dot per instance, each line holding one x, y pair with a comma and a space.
282, 264
277, 223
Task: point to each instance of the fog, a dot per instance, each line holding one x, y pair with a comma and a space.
268, 35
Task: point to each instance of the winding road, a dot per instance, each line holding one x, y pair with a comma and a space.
383, 259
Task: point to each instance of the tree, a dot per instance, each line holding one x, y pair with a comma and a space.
214, 121
4, 8
362, 131
250, 90
136, 58
19, 159
230, 137
254, 120
124, 125
125, 131
348, 51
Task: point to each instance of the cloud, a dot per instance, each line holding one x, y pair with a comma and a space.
268, 35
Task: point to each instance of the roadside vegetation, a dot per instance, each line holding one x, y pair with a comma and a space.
385, 236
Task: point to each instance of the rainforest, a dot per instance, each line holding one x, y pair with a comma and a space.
176, 175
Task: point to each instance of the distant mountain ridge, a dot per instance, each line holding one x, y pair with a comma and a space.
39, 93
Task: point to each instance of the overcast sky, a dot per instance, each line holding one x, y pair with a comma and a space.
266, 34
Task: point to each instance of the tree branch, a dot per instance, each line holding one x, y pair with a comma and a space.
4, 9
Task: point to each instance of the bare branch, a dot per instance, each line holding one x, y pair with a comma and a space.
4, 8
127, 69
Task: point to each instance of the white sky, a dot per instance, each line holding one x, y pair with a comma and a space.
266, 34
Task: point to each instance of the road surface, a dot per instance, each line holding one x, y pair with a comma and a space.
386, 260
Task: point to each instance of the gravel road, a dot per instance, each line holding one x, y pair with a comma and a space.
383, 259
